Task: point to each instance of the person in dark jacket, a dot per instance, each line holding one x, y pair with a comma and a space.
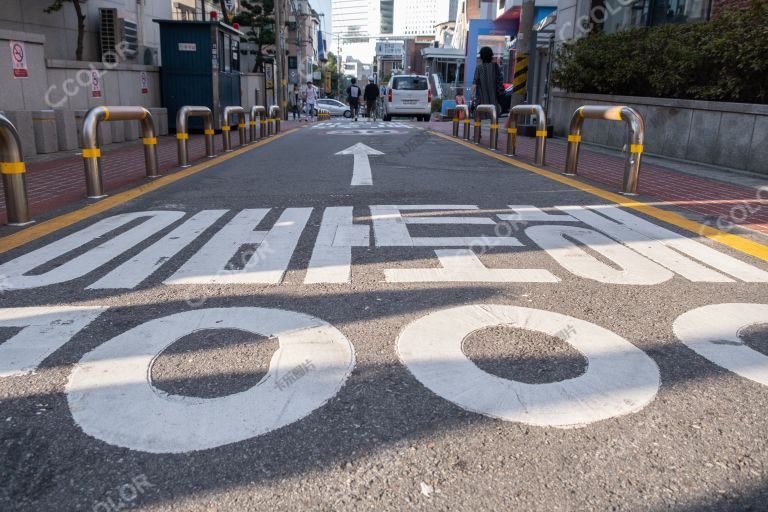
487, 79
371, 96
353, 97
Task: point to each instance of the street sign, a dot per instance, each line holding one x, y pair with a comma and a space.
19, 59
95, 84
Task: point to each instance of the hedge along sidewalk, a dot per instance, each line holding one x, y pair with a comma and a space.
721, 203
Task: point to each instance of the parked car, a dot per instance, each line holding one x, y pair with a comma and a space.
408, 96
335, 107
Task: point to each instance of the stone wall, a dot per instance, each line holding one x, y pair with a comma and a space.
732, 135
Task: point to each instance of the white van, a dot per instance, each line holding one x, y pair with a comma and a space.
408, 96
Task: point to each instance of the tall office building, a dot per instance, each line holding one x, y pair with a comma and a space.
357, 23
419, 17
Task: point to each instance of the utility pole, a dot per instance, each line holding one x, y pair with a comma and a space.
526, 48
280, 50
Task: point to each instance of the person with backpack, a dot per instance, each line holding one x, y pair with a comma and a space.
353, 97
371, 96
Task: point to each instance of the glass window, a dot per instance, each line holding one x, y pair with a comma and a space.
679, 11
410, 83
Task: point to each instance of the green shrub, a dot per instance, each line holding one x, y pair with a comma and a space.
725, 59
437, 105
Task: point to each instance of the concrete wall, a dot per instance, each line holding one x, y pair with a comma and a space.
23, 93
60, 28
733, 135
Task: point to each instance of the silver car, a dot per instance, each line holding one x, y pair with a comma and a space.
335, 107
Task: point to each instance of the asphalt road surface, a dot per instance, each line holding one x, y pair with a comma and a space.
372, 317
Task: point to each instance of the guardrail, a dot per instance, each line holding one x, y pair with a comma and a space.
225, 126
465, 109
182, 131
635, 139
14, 173
274, 116
488, 109
90, 142
262, 115
541, 129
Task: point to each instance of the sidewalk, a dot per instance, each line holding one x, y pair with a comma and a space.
55, 181
739, 201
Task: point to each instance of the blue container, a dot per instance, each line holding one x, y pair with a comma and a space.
201, 66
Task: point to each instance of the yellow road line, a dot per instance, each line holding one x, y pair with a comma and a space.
47, 227
733, 241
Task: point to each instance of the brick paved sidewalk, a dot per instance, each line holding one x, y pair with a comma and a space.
53, 183
723, 203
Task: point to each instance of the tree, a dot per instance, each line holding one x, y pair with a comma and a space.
258, 16
57, 5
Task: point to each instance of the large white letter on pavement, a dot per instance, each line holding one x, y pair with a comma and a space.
112, 398
332, 256
634, 268
713, 333
267, 264
619, 379
44, 330
94, 258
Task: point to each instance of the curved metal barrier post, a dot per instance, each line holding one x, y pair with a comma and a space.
541, 129
635, 139
261, 113
274, 115
225, 126
489, 109
14, 173
182, 131
90, 142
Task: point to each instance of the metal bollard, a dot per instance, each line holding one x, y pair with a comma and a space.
541, 129
90, 143
635, 140
14, 173
490, 109
275, 114
261, 112
182, 131
225, 126
465, 109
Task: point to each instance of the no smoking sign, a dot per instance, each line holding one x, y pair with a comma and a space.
19, 59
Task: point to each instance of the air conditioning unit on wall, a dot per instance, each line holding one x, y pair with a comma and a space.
115, 33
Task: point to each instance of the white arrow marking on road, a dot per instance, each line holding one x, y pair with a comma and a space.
361, 169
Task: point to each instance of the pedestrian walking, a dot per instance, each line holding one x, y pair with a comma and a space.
371, 96
312, 94
295, 102
353, 97
487, 85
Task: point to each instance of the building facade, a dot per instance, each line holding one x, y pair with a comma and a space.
418, 17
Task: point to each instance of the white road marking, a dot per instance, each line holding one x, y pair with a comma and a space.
648, 247
464, 265
365, 132
713, 332
332, 256
131, 273
94, 258
620, 378
266, 265
111, 396
361, 168
530, 213
701, 252
44, 331
633, 268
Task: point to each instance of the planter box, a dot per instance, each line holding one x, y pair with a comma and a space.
733, 135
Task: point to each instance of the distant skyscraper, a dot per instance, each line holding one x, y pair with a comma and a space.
386, 10
419, 17
357, 23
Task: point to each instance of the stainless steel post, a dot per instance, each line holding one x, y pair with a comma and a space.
465, 109
182, 131
90, 143
488, 109
541, 130
14, 174
635, 140
275, 114
225, 125
261, 113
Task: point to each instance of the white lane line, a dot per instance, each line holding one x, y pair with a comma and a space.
332, 256
361, 168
